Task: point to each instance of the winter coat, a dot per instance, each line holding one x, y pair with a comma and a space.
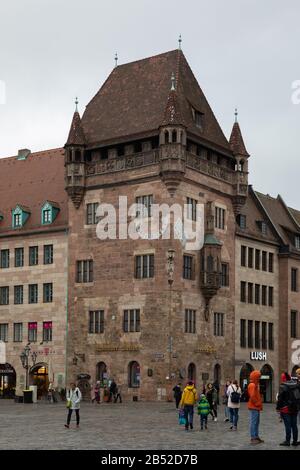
203, 407
233, 388
189, 396
75, 397
177, 391
255, 400
212, 396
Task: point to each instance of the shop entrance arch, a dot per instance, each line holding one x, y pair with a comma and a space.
266, 383
7, 381
245, 375
38, 376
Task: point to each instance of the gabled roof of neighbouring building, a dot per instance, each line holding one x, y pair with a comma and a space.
133, 100
29, 183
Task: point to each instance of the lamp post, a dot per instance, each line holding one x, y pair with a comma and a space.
170, 271
24, 356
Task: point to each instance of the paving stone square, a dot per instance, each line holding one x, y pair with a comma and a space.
131, 426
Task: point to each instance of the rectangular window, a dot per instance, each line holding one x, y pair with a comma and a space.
264, 343
264, 261
17, 220
225, 275
4, 295
48, 292
32, 332
19, 257
131, 321
257, 294
271, 262
257, 259
297, 242
48, 254
191, 208
250, 293
47, 219
47, 331
18, 295
243, 334
243, 291
219, 324
4, 259
242, 221
264, 295
84, 271
294, 326
250, 257
4, 332
190, 321
257, 334
271, 290
264, 228
18, 332
144, 266
250, 333
219, 218
271, 337
33, 294
91, 210
33, 255
243, 255
144, 208
96, 321
188, 267
294, 280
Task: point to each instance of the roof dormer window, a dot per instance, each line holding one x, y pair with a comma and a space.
198, 118
49, 212
297, 242
19, 216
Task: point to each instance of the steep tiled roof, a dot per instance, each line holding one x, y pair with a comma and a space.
30, 183
133, 99
76, 134
236, 141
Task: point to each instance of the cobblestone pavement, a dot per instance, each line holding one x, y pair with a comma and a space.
127, 426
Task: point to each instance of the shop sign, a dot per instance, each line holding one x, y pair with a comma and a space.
258, 356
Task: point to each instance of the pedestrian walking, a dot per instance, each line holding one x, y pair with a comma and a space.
203, 411
287, 407
211, 395
97, 389
225, 401
112, 390
177, 394
254, 406
187, 402
73, 403
234, 394
118, 394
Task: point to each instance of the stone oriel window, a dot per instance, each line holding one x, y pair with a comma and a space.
19, 257
144, 266
4, 259
84, 271
96, 321
131, 321
190, 321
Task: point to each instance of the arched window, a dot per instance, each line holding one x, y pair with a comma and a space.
174, 137
134, 374
101, 372
192, 372
266, 383
245, 375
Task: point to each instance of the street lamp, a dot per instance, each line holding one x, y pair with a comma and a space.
24, 357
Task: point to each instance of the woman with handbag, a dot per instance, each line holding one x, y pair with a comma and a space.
73, 403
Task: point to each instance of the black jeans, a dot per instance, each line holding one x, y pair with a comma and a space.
70, 414
177, 400
290, 424
118, 395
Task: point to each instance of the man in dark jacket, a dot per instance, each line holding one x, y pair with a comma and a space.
177, 394
112, 390
287, 413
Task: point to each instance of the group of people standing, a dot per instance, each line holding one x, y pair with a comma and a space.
113, 392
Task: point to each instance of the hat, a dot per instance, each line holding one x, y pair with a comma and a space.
202, 395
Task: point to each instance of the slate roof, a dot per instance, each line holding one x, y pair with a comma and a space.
236, 141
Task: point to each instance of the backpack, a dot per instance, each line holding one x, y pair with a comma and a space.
235, 396
292, 391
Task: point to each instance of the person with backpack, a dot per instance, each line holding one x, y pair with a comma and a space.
212, 399
254, 406
234, 394
203, 411
73, 403
187, 402
288, 406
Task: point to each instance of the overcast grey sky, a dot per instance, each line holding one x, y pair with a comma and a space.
244, 53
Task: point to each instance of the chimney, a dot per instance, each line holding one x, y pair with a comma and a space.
23, 154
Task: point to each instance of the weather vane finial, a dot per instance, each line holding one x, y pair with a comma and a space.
172, 81
76, 103
179, 42
116, 59
236, 114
